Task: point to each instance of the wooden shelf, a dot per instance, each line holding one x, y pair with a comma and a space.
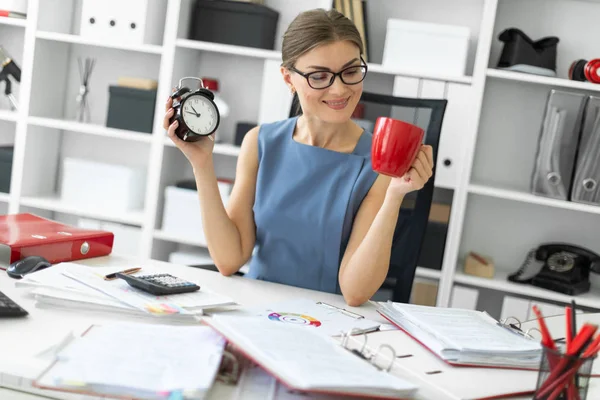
92, 129
501, 283
170, 237
76, 39
54, 203
6, 115
21, 22
541, 80
228, 49
524, 197
220, 148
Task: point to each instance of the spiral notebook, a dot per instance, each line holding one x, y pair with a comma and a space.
306, 361
464, 337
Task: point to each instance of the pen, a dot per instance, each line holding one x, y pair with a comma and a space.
574, 327
129, 271
573, 317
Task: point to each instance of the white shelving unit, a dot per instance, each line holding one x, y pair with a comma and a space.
486, 153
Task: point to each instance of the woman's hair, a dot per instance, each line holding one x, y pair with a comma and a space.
313, 28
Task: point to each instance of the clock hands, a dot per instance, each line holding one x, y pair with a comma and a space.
197, 113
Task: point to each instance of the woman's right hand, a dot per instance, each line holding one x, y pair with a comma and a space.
198, 153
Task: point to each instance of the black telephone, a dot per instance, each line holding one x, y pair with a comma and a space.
560, 267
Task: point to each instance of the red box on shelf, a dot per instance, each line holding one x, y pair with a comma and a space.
23, 235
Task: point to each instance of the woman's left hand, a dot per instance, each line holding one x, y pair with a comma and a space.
418, 174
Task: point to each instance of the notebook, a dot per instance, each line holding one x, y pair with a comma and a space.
464, 337
128, 360
306, 361
322, 317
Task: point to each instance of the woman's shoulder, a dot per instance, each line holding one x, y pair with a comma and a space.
275, 130
277, 126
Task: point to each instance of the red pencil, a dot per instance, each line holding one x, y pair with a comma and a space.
546, 337
562, 371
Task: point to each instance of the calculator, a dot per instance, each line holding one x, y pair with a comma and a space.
159, 284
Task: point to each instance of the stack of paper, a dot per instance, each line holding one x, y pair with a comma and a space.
78, 286
139, 361
464, 337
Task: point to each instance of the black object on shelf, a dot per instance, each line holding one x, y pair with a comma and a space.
434, 242
234, 22
186, 184
521, 53
6, 160
240, 131
131, 108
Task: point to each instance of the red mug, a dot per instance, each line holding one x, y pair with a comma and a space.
395, 146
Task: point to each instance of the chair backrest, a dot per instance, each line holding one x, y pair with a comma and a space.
414, 213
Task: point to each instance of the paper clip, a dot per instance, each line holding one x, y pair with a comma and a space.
342, 310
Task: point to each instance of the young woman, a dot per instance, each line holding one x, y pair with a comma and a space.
306, 200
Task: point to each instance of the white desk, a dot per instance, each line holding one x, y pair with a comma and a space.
46, 326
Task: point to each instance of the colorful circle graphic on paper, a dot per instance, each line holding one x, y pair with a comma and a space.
296, 319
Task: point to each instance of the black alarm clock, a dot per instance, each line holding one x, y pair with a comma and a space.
195, 111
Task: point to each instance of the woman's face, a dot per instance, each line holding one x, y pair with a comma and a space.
336, 103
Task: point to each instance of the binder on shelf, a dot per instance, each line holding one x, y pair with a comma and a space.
288, 352
25, 234
355, 11
557, 145
463, 337
587, 171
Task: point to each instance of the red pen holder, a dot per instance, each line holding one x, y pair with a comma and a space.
563, 377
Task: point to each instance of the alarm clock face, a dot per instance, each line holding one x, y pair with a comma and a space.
200, 115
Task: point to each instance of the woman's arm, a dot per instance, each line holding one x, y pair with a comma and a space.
231, 233
366, 261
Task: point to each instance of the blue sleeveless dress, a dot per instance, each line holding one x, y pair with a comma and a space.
305, 204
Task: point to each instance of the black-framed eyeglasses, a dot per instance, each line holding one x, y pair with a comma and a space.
351, 75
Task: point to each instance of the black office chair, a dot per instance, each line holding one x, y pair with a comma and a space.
414, 213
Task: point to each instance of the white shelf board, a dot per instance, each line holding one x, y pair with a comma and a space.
13, 21
276, 55
228, 49
6, 115
67, 38
500, 283
134, 217
92, 129
170, 237
220, 148
4, 197
428, 273
532, 199
542, 80
381, 69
